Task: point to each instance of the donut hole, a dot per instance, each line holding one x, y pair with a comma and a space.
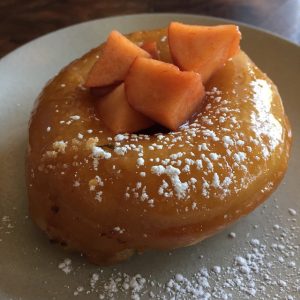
55, 209
159, 129
155, 129
98, 92
104, 90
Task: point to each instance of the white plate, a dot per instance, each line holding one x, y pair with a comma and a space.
29, 263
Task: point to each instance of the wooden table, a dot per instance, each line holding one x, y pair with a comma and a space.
24, 20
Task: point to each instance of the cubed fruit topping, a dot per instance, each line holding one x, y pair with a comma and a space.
202, 49
114, 110
113, 64
162, 92
151, 48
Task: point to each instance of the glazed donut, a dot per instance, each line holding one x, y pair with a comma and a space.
109, 195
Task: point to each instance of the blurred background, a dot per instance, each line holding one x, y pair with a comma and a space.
24, 20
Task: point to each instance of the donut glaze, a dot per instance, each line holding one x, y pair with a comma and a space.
108, 196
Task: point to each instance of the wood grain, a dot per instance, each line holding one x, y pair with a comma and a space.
22, 21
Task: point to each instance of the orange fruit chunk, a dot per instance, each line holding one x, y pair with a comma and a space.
202, 49
114, 110
112, 66
162, 92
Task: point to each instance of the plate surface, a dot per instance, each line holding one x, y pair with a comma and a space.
259, 260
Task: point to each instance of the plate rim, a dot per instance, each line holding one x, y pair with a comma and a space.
129, 16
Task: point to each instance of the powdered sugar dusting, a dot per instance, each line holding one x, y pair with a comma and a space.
173, 173
264, 124
249, 272
66, 266
216, 148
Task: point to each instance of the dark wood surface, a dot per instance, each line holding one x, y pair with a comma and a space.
24, 20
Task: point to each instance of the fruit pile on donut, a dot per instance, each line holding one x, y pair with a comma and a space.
154, 140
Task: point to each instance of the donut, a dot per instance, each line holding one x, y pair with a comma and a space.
110, 195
